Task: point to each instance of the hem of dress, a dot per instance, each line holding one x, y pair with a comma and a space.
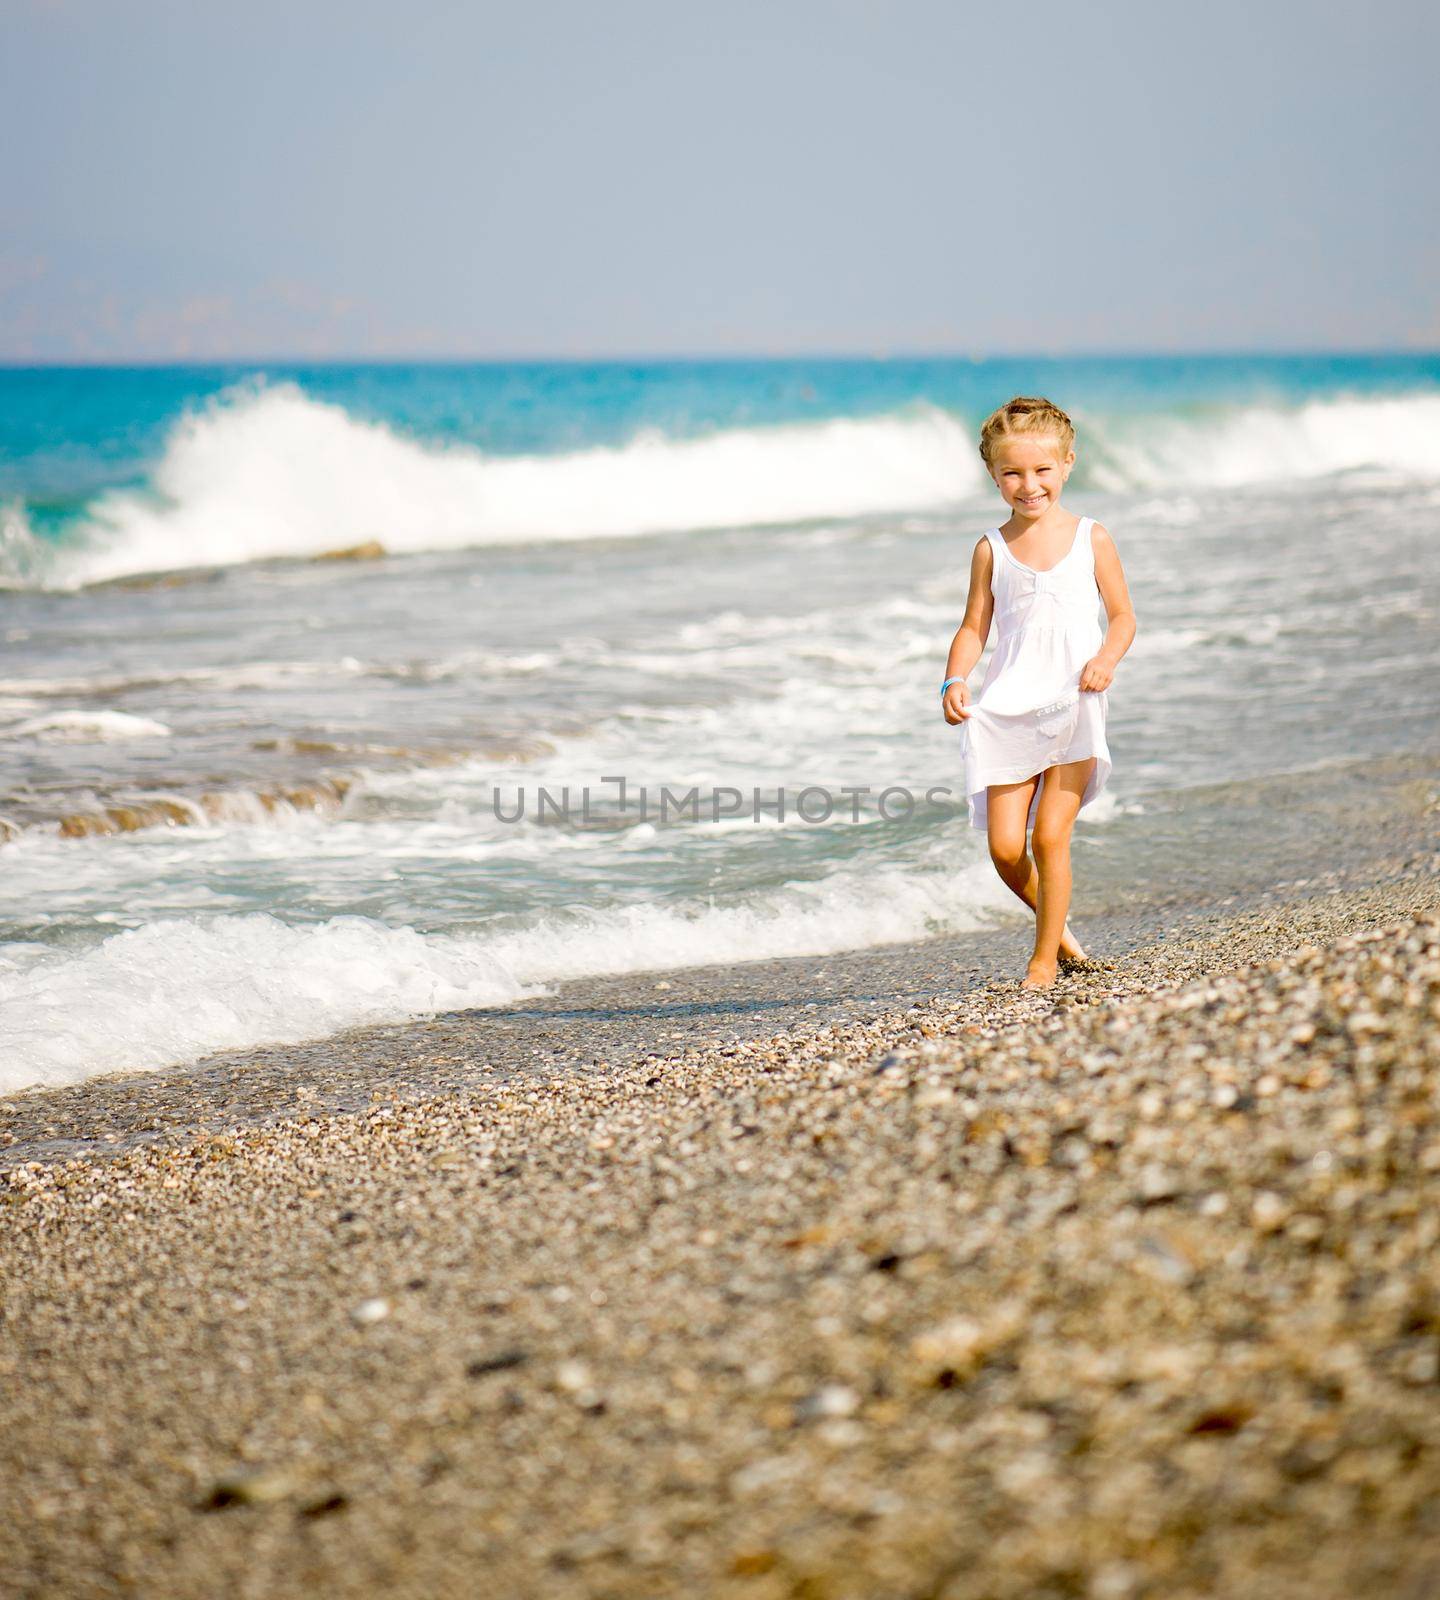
978, 800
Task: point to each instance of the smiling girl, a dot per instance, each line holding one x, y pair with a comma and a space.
1034, 737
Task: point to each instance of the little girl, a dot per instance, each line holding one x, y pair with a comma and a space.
1034, 739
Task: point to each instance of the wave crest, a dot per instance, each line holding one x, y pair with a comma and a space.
267, 472
1257, 444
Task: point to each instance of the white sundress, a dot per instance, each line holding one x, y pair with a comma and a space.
1031, 713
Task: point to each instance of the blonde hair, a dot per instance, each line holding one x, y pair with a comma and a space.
1029, 417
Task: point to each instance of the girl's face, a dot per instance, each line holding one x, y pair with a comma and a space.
1030, 473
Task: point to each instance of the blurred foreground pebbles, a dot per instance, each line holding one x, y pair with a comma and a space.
1132, 1291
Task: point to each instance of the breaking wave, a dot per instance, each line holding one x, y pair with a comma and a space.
267, 471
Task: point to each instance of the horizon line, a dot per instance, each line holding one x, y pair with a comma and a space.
701, 358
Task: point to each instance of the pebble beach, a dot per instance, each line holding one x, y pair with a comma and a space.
1129, 1289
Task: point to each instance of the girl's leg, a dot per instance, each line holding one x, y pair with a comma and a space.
1007, 813
1060, 797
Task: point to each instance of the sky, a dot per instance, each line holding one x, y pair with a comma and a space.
202, 179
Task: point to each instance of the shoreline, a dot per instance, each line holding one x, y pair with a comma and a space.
587, 1025
1354, 825
1128, 1289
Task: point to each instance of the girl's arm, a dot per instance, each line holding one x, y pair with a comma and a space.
1099, 671
969, 642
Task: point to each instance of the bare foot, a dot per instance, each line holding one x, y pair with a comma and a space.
1038, 975
1070, 947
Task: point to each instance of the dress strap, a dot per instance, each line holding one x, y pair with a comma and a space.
1083, 532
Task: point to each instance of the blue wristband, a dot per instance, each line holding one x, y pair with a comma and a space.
944, 686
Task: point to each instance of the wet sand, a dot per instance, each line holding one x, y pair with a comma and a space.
1127, 1290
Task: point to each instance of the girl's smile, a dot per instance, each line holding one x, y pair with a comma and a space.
1031, 474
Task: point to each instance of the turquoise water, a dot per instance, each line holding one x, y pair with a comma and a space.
252, 795
68, 433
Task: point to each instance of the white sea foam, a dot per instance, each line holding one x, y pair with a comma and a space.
81, 726
1258, 444
181, 987
263, 674
266, 472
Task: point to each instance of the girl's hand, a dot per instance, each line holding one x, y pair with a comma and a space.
1097, 675
956, 704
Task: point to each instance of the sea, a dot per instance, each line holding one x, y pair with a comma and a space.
351, 694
